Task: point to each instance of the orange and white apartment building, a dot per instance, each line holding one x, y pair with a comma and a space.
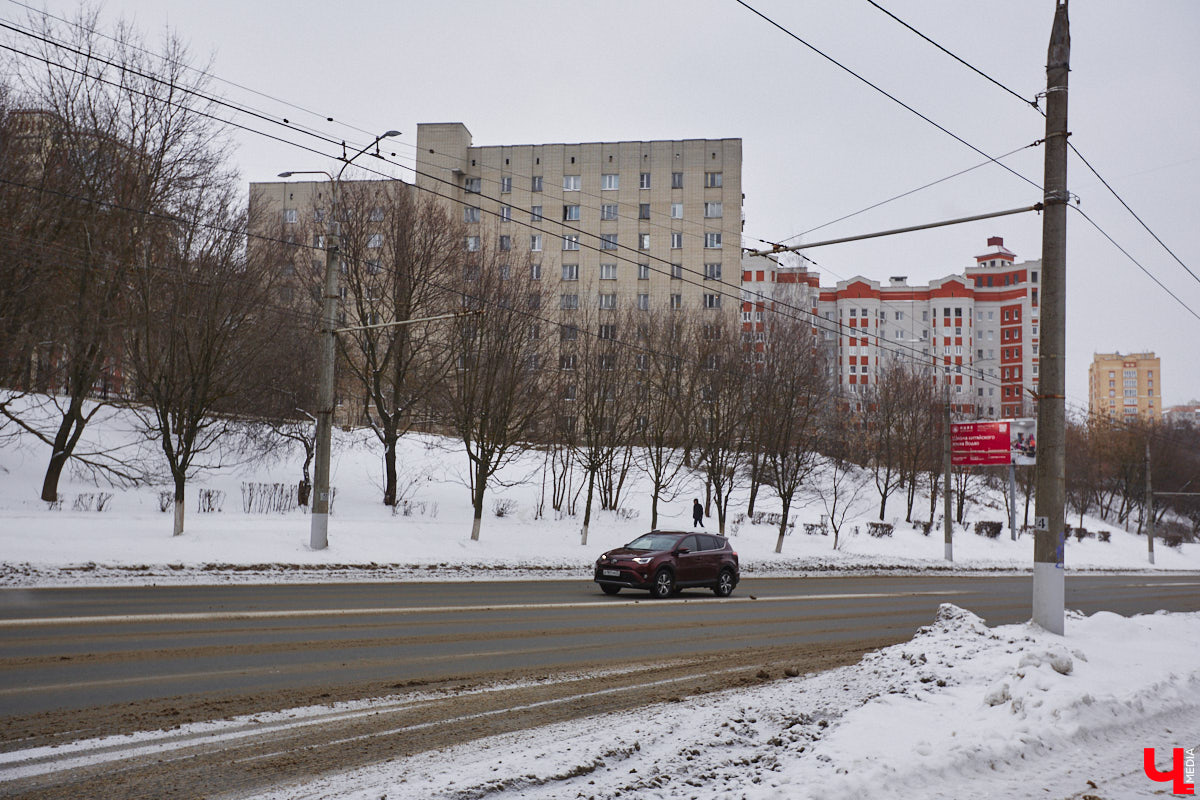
977, 331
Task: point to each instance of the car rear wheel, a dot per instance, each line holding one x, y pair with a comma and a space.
609, 588
664, 584
724, 586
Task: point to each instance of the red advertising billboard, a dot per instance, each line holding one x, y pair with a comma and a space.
989, 444
980, 444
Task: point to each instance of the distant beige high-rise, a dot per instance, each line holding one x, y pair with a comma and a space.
1125, 387
616, 224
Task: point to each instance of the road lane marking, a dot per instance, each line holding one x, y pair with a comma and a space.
212, 616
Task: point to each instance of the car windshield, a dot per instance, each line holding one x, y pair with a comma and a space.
654, 541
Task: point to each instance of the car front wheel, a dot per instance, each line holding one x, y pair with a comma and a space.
664, 584
724, 586
609, 588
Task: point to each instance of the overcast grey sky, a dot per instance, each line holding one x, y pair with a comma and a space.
817, 143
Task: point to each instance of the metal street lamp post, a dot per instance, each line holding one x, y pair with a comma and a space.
319, 533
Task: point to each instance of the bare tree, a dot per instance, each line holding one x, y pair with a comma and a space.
397, 249
197, 324
720, 376
886, 402
495, 396
841, 482
664, 426
792, 395
128, 138
594, 371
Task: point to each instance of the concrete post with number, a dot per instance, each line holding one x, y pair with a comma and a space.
1049, 582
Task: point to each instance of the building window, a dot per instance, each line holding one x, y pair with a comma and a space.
676, 271
571, 241
676, 180
608, 331
608, 272
505, 243
712, 210
676, 210
712, 180
570, 272
676, 301
535, 214
712, 301
566, 362
712, 272
568, 333
610, 180
570, 213
535, 183
535, 272
643, 241
535, 242
608, 241
643, 211
470, 214
506, 213
643, 272
570, 183
644, 180
472, 244
608, 301
712, 240
472, 185
643, 302
608, 211
506, 184
568, 302
676, 241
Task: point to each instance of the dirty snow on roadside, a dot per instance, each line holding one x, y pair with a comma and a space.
961, 710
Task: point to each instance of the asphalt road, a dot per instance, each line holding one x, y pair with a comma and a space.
65, 649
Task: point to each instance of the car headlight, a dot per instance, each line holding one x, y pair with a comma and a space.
643, 560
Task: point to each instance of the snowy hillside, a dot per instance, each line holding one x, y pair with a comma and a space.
130, 539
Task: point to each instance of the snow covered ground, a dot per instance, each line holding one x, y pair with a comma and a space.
960, 711
130, 540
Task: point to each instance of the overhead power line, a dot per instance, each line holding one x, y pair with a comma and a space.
1070, 144
885, 93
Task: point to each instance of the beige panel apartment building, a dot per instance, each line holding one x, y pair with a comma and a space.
616, 224
1125, 387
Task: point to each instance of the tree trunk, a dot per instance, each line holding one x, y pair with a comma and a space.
782, 527
69, 431
587, 509
389, 466
477, 502
654, 510
179, 498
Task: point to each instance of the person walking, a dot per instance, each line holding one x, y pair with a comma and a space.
697, 513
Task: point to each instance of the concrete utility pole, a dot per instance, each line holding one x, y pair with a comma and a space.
318, 538
947, 458
1049, 583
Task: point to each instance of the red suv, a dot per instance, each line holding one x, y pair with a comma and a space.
666, 561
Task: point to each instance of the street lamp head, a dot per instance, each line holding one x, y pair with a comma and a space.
390, 133
286, 174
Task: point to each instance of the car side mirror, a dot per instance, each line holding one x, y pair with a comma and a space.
683, 551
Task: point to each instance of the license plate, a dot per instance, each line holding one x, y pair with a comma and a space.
612, 573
